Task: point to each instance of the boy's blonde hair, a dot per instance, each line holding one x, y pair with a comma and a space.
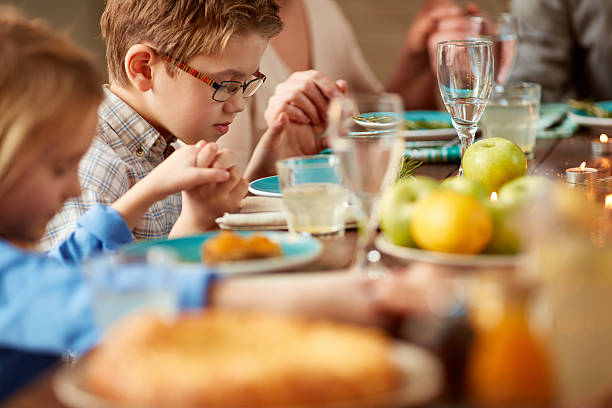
44, 81
181, 28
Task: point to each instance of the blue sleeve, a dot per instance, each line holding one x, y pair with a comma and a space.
44, 304
99, 229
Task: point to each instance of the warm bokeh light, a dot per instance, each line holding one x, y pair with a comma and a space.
582, 166
603, 138
608, 202
494, 196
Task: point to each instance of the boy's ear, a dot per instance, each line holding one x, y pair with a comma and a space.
138, 65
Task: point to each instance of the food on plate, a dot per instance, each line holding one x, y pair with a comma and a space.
493, 162
421, 124
228, 247
409, 124
591, 108
375, 118
230, 359
452, 222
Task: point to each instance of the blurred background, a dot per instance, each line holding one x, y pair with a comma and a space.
379, 24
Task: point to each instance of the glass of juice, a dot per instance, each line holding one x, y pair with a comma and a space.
313, 194
512, 113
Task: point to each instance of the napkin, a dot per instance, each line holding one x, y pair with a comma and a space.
266, 213
442, 154
554, 122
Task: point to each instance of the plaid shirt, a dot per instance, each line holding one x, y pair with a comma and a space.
126, 148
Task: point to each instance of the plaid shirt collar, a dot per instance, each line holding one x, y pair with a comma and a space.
140, 138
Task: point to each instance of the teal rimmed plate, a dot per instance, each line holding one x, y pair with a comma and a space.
266, 187
297, 250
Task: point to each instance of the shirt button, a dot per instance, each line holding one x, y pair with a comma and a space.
139, 152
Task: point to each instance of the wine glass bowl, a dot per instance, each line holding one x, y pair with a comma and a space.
465, 78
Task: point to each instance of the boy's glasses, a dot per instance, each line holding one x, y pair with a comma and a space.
224, 89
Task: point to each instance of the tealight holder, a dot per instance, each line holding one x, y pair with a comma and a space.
601, 146
580, 174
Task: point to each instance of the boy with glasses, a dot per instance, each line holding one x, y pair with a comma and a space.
178, 70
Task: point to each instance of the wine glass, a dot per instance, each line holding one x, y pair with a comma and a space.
502, 30
465, 78
364, 134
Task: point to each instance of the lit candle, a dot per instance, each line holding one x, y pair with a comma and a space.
608, 202
602, 146
580, 174
493, 196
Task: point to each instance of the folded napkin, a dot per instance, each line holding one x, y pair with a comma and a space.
554, 122
265, 213
444, 154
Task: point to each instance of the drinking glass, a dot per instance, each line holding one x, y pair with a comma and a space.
512, 113
122, 284
502, 31
370, 153
465, 78
313, 194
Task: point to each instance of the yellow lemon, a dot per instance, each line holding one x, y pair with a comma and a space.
449, 221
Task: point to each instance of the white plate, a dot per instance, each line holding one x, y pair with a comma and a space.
421, 382
582, 118
430, 134
416, 134
440, 258
297, 250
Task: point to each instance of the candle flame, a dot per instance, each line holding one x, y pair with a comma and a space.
608, 202
494, 196
603, 138
582, 166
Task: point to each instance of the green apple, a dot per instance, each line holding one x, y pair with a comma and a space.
506, 234
397, 204
493, 162
467, 186
524, 189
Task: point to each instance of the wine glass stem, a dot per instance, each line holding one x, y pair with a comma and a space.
466, 136
368, 259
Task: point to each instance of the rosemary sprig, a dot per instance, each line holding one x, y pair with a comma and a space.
408, 168
590, 107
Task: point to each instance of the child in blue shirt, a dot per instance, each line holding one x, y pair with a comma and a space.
49, 95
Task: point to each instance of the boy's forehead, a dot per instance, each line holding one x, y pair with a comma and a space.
241, 56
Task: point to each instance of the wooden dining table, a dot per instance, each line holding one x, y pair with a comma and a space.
552, 157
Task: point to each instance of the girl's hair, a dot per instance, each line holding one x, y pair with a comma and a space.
181, 28
44, 81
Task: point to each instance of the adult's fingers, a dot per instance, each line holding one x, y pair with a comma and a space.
455, 23
309, 104
327, 87
342, 85
281, 103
